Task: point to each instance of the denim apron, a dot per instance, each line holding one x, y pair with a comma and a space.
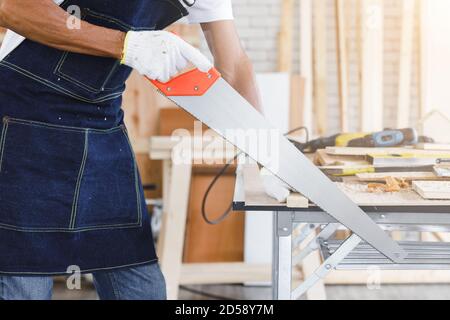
70, 192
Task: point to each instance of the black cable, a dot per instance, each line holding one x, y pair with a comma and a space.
305, 129
222, 171
205, 294
189, 4
211, 185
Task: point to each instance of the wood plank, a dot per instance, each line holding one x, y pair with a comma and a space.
406, 159
405, 198
407, 176
433, 190
325, 159
405, 70
197, 143
320, 66
306, 60
343, 63
372, 53
141, 145
297, 101
433, 146
285, 39
170, 250
222, 273
213, 243
348, 151
435, 70
422, 69
204, 150
296, 200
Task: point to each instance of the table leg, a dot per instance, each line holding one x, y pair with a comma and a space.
170, 249
166, 173
310, 260
327, 266
313, 244
309, 265
282, 256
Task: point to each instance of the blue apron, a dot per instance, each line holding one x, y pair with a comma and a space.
70, 191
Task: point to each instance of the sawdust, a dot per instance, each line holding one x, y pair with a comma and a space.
358, 193
391, 185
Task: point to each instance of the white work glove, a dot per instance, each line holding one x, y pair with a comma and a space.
274, 187
160, 55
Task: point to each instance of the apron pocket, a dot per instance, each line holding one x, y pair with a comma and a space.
58, 178
39, 166
108, 193
94, 74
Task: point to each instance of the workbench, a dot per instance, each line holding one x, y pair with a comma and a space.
299, 233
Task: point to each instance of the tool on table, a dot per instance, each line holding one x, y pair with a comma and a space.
433, 190
351, 171
382, 139
209, 98
442, 171
442, 168
407, 159
443, 161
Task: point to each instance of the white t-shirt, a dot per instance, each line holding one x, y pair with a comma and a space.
201, 11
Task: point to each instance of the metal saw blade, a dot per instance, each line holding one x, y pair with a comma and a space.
224, 110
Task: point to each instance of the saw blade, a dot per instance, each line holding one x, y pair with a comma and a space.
225, 111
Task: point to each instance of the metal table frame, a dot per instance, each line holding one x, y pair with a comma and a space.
313, 220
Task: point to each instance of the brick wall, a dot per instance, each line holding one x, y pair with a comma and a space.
258, 23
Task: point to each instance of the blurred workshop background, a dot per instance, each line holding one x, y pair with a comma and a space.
333, 66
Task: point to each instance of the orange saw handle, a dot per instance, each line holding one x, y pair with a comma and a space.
191, 83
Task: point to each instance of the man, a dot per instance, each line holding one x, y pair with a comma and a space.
70, 194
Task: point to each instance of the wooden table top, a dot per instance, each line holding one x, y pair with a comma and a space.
250, 195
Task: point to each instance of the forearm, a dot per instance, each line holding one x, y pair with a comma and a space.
45, 22
231, 60
240, 76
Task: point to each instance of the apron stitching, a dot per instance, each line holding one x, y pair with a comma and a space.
113, 281
67, 230
62, 127
73, 80
83, 271
80, 176
58, 69
50, 84
138, 198
57, 88
2, 288
2, 142
117, 21
60, 62
138, 194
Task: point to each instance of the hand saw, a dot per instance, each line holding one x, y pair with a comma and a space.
210, 99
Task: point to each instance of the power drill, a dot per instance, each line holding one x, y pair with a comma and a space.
383, 139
